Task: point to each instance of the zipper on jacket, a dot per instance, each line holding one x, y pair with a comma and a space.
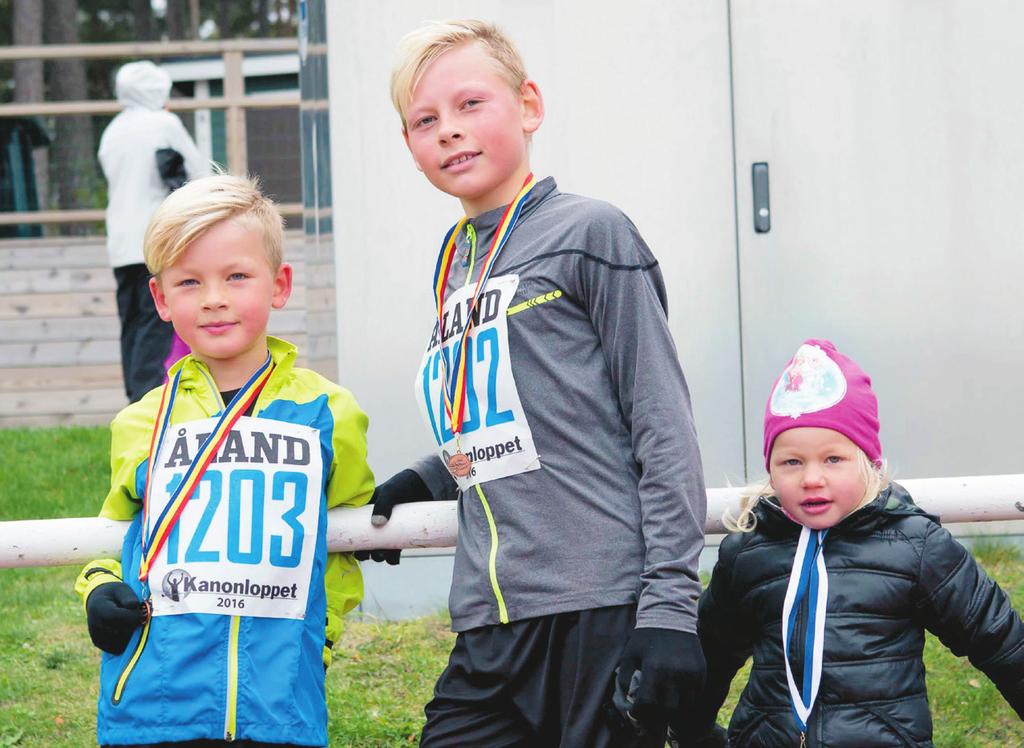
471, 260
231, 708
492, 565
122, 679
492, 560
796, 640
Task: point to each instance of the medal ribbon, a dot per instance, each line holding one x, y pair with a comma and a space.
808, 587
454, 387
163, 524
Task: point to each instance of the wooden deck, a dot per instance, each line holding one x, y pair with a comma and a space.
59, 332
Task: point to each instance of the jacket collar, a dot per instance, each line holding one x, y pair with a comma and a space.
486, 223
893, 501
196, 377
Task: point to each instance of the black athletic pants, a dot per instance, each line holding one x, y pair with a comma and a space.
537, 683
145, 338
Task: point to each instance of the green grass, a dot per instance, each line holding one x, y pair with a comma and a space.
382, 676
383, 672
53, 472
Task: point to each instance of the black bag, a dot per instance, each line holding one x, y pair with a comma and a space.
171, 166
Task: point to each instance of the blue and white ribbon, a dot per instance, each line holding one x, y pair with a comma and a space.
808, 589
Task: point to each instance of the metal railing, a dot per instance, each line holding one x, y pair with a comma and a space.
234, 102
59, 542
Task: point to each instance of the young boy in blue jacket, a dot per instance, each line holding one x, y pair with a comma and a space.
218, 622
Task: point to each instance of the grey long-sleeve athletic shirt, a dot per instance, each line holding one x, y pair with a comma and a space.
615, 514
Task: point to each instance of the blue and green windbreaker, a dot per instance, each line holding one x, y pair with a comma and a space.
195, 676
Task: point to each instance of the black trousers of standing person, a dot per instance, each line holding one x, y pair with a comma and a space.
538, 683
145, 338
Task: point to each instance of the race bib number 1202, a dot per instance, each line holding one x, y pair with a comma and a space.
495, 435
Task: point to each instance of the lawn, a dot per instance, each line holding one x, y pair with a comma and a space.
383, 672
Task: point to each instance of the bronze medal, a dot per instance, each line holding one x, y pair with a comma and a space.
459, 465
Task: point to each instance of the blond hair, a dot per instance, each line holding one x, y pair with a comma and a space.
419, 48
192, 210
874, 475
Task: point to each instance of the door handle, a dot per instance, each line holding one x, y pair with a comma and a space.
762, 209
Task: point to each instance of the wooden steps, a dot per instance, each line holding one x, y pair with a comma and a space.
60, 336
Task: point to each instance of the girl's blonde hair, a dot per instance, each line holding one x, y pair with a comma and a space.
875, 476
420, 47
192, 210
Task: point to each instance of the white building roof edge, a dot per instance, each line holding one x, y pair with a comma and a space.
213, 68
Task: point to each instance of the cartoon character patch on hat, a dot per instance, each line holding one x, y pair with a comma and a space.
822, 388
811, 382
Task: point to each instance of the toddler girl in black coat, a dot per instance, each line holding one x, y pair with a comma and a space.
837, 567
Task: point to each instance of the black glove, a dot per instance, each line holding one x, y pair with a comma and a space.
401, 488
113, 612
660, 670
716, 737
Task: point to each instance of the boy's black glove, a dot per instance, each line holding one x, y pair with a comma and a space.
113, 612
401, 488
660, 672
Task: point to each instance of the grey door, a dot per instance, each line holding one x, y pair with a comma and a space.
894, 134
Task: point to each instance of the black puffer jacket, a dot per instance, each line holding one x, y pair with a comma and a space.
893, 572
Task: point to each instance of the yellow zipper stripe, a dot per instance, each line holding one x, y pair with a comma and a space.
492, 566
535, 301
123, 680
230, 719
471, 234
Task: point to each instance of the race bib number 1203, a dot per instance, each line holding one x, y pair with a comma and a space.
245, 541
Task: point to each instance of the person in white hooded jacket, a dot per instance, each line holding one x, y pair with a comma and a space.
127, 154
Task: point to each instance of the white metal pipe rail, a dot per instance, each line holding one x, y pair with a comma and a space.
58, 542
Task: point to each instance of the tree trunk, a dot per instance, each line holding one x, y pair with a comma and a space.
73, 166
262, 15
224, 19
145, 28
193, 19
177, 21
28, 79
28, 30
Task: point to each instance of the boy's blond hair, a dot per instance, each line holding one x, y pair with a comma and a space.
420, 47
192, 210
874, 475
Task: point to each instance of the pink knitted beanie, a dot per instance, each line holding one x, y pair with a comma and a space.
822, 387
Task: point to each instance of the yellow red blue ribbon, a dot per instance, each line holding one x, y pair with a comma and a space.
155, 533
454, 387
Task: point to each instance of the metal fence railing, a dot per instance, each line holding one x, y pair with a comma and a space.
433, 524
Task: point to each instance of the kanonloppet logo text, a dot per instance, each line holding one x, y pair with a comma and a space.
178, 584
494, 451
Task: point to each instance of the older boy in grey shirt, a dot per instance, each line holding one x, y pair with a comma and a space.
567, 437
